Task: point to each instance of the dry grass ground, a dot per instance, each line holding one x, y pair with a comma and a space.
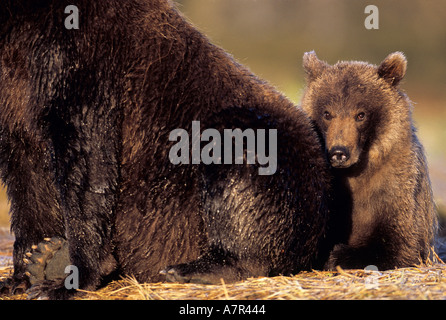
408, 283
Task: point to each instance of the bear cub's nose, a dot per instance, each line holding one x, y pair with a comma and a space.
338, 155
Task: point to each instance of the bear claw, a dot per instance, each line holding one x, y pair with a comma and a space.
173, 275
47, 260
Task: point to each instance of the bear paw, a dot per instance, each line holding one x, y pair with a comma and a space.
202, 272
47, 260
13, 286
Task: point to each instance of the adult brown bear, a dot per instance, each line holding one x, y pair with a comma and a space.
86, 115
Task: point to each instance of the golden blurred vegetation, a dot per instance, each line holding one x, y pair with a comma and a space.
4, 208
270, 37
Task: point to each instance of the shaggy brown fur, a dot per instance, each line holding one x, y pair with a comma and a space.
386, 212
84, 150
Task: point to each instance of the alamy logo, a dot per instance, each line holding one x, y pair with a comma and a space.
372, 20
72, 20
187, 150
72, 280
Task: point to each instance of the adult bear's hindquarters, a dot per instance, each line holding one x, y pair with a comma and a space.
261, 225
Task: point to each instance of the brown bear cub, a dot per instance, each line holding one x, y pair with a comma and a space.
385, 210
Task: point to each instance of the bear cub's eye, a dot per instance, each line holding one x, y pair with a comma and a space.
360, 116
327, 115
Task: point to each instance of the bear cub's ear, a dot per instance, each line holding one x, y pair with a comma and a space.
313, 66
393, 68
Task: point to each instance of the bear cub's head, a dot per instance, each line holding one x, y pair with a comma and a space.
349, 100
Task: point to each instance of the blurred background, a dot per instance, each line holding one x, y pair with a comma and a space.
271, 36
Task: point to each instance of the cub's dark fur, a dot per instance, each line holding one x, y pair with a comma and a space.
386, 215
